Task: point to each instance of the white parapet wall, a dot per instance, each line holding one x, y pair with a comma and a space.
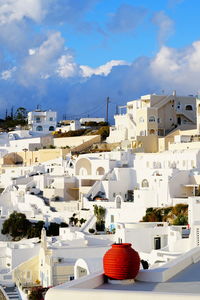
170, 269
87, 288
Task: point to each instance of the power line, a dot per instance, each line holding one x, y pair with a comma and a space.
93, 110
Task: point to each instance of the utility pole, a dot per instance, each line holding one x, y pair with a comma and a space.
107, 103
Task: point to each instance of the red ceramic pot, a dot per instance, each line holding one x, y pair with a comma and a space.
121, 262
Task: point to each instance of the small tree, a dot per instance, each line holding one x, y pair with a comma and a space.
82, 221
76, 220
73, 220
35, 229
181, 220
99, 212
37, 293
21, 114
53, 229
16, 225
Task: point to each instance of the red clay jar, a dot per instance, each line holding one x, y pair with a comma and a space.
121, 262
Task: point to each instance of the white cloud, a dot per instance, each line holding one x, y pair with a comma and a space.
194, 57
103, 69
171, 69
42, 61
16, 10
7, 74
31, 51
67, 67
179, 68
165, 26
49, 71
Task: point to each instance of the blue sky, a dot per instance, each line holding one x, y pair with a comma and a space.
69, 55
137, 41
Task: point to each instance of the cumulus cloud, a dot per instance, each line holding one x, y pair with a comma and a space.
171, 69
126, 18
38, 68
165, 26
103, 69
180, 69
16, 10
18, 18
67, 67
50, 11
67, 91
43, 61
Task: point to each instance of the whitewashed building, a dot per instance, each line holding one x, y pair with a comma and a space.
42, 122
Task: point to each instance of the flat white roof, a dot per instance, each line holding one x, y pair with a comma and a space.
187, 281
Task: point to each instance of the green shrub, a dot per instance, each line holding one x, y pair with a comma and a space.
181, 220
176, 215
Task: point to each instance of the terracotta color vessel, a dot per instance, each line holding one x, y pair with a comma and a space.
121, 262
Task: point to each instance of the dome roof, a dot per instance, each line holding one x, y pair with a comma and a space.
121, 262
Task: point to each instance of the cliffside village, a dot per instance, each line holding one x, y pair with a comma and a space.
139, 185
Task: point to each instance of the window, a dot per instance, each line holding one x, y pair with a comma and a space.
188, 107
51, 128
71, 277
37, 119
39, 128
51, 119
100, 171
145, 183
112, 218
152, 119
158, 120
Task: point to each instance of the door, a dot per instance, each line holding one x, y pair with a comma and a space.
157, 243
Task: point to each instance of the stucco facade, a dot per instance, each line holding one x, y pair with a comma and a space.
154, 115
